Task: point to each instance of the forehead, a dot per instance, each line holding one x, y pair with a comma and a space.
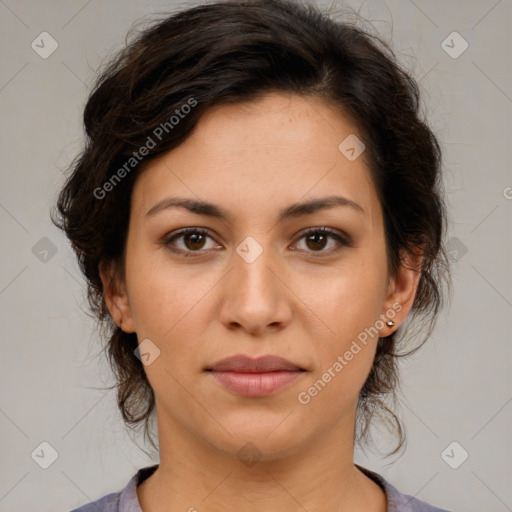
267, 154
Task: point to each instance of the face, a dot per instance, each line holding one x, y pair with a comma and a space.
258, 274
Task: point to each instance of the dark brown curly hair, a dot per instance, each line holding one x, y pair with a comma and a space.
236, 51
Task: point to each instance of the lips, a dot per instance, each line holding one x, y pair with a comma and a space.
259, 377
261, 364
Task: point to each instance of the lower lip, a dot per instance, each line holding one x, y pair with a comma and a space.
256, 384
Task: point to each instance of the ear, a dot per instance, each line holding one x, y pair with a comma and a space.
116, 298
402, 289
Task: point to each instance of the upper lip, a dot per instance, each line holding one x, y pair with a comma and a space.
241, 363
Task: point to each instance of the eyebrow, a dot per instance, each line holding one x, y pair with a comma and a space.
293, 211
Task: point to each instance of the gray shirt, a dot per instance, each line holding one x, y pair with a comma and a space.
127, 501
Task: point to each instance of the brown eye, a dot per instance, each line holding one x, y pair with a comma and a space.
189, 241
317, 239
194, 241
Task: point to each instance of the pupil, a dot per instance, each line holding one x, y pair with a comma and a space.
316, 236
195, 239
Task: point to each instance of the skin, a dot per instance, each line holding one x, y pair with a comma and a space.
302, 301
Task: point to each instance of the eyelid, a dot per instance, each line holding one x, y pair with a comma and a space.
327, 231
341, 237
343, 240
167, 239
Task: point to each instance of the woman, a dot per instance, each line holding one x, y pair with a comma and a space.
257, 213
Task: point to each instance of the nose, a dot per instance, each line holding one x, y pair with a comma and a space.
255, 296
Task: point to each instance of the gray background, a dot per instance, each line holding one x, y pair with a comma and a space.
457, 388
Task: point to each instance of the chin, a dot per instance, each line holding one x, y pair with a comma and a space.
253, 442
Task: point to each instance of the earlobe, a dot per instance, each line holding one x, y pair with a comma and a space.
403, 287
116, 298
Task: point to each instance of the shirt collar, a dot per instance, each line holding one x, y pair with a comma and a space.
129, 501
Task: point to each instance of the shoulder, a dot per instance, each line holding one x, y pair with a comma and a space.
407, 503
122, 501
109, 503
398, 502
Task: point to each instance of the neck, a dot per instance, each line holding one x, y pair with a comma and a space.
195, 476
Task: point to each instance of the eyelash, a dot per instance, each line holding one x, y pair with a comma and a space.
344, 242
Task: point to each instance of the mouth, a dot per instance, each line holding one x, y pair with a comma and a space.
245, 364
259, 377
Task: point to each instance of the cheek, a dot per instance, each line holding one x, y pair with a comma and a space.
173, 308
344, 346
164, 297
166, 304
348, 299
345, 308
